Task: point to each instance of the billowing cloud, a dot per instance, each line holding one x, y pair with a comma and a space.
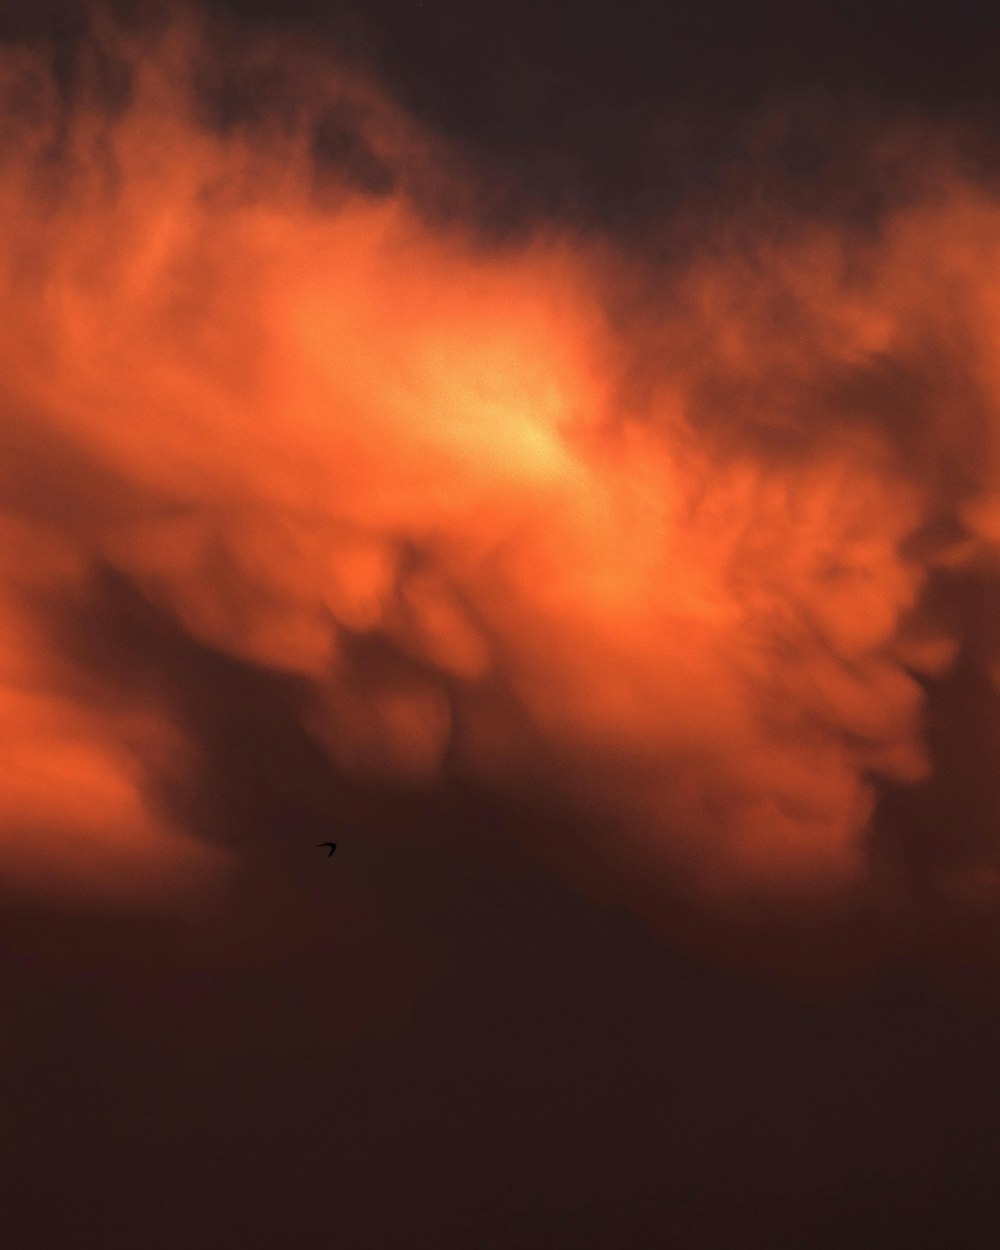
659, 541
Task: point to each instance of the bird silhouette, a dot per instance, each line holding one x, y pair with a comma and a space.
331, 845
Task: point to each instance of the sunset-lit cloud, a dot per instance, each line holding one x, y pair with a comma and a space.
672, 562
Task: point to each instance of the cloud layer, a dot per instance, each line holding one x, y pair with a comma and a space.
667, 543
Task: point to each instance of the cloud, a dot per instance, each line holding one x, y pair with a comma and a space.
660, 540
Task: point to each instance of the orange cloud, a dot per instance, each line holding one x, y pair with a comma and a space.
669, 563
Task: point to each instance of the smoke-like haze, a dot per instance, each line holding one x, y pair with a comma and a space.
668, 543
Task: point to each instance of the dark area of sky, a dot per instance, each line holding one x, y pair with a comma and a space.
427, 1041
613, 112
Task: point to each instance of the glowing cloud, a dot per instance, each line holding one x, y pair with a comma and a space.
692, 601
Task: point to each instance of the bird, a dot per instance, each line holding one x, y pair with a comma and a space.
331, 845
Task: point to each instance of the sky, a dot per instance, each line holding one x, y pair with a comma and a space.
552, 451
